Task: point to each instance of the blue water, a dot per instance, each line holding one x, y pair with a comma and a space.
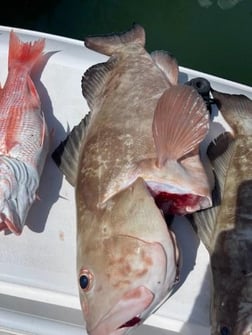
212, 36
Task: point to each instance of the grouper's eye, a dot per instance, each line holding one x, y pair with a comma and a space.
224, 331
85, 280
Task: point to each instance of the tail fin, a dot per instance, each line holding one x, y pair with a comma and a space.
107, 44
24, 52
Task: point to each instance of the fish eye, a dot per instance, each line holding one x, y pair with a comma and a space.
85, 280
224, 331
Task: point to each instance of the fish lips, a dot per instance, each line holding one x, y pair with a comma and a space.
10, 222
133, 304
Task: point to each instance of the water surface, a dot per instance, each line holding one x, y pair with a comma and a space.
212, 36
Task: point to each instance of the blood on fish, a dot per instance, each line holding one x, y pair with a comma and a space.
173, 203
131, 322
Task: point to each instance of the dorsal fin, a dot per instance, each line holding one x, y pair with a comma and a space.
205, 220
221, 162
94, 80
167, 64
236, 110
108, 44
180, 123
66, 155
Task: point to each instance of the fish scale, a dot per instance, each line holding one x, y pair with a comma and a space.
226, 228
127, 258
23, 135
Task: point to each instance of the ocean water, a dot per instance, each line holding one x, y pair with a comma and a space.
213, 36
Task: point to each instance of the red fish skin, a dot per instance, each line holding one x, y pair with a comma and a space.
23, 133
22, 124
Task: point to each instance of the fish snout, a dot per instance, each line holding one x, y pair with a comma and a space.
140, 279
133, 303
9, 219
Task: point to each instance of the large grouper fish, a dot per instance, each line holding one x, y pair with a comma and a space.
134, 156
226, 228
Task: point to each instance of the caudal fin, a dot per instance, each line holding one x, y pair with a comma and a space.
107, 44
24, 52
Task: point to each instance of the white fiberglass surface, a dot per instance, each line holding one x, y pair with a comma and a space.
39, 265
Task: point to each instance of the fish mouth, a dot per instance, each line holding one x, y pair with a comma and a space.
7, 224
126, 313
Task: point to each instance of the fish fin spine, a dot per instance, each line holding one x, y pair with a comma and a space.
236, 110
66, 155
167, 64
94, 79
108, 44
180, 123
24, 52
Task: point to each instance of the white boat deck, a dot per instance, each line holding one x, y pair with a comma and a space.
38, 287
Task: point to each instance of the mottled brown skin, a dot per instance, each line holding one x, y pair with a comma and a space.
122, 110
124, 250
124, 245
112, 132
231, 257
226, 229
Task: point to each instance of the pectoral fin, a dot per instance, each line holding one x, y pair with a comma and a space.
181, 122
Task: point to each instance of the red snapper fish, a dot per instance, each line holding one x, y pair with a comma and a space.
138, 147
23, 135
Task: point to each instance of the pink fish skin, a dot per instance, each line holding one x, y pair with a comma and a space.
23, 135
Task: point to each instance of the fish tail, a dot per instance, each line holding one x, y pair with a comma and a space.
108, 44
24, 52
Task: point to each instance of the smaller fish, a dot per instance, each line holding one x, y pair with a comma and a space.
23, 135
226, 228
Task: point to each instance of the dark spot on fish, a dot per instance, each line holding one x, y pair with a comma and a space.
224, 331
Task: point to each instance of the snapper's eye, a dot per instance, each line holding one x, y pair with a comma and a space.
85, 280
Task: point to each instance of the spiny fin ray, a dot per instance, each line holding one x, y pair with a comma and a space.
66, 155
94, 80
205, 220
